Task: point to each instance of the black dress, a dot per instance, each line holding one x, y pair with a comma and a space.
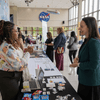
49, 50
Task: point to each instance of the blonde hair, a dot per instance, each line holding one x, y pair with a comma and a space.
60, 29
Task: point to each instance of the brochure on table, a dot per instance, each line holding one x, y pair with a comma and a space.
44, 63
56, 80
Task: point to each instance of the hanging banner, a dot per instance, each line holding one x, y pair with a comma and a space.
44, 31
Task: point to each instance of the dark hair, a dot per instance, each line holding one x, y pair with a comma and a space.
20, 34
49, 35
6, 28
92, 26
73, 35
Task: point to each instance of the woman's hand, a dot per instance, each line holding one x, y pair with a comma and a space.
45, 43
29, 49
76, 60
54, 50
22, 69
74, 65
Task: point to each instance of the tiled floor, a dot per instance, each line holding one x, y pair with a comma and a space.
73, 79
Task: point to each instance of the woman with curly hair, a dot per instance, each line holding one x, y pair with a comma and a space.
11, 63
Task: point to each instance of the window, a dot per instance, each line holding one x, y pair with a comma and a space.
55, 28
70, 23
86, 6
69, 14
99, 24
76, 21
21, 28
99, 16
76, 29
82, 17
40, 30
86, 15
90, 5
34, 32
95, 5
73, 18
34, 28
29, 30
55, 32
72, 13
51, 30
82, 7
90, 15
76, 11
95, 15
99, 4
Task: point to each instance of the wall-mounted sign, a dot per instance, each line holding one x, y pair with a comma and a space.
44, 16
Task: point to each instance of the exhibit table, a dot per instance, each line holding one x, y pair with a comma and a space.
45, 63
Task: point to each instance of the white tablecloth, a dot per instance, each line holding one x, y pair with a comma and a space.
43, 63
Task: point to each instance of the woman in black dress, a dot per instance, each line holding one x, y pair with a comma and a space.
49, 43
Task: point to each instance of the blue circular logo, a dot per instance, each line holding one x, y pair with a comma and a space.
44, 16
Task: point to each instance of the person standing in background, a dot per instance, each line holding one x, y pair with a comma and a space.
40, 37
88, 61
49, 44
37, 37
73, 49
59, 48
20, 39
21, 35
37, 41
21, 45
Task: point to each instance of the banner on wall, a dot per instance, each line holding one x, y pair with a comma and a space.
4, 10
44, 16
44, 31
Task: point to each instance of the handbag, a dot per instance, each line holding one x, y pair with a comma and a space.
60, 50
69, 46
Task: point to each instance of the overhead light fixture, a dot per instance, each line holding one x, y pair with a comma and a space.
28, 1
75, 2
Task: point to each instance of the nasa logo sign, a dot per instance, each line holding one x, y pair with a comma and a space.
44, 16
